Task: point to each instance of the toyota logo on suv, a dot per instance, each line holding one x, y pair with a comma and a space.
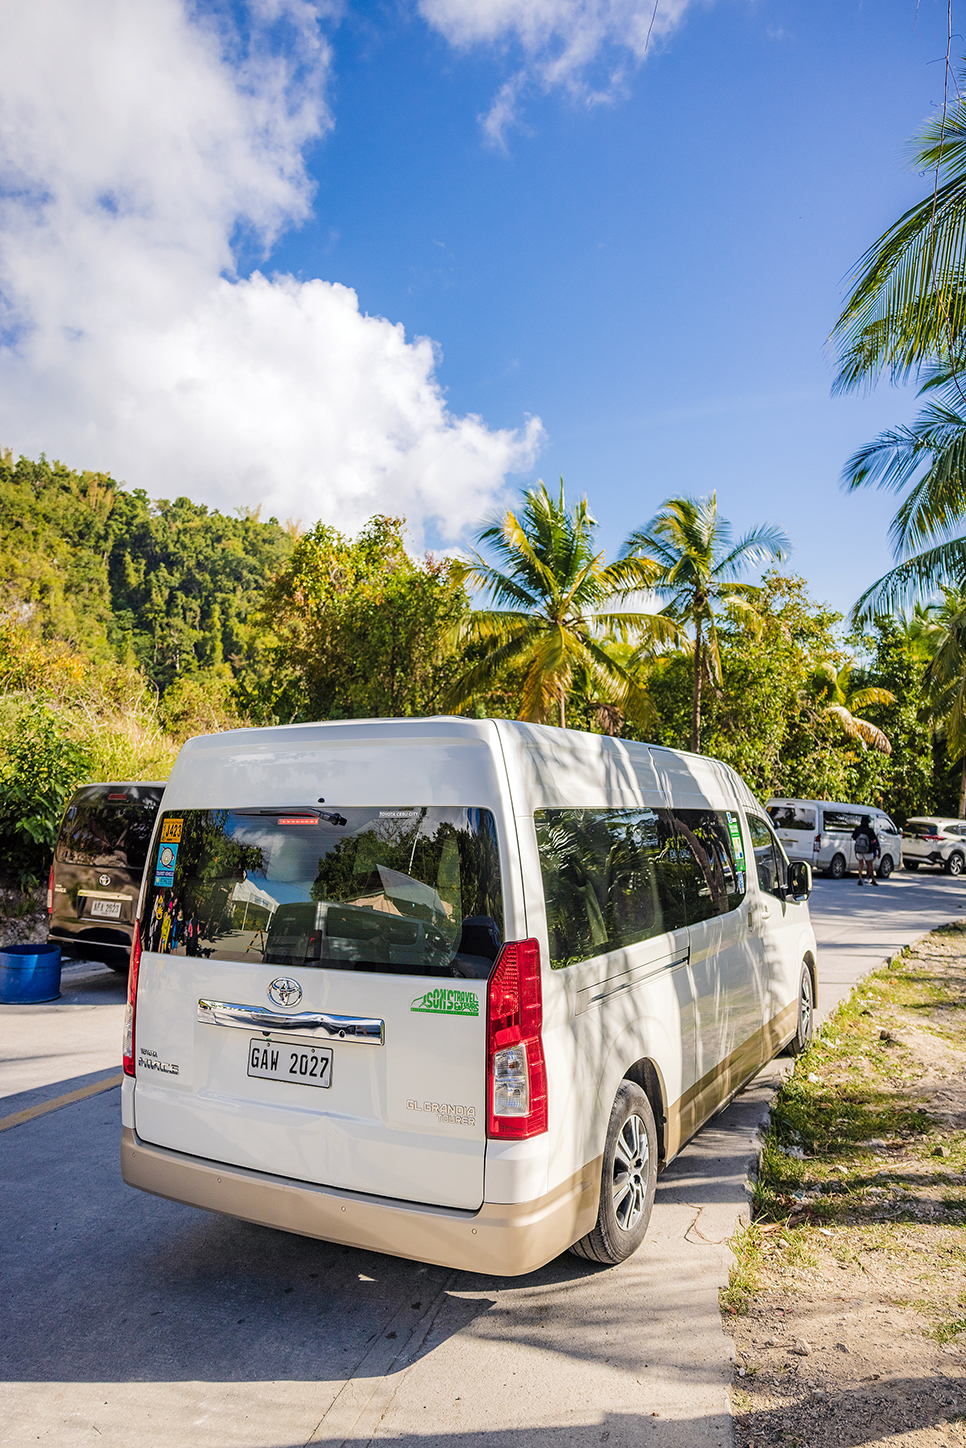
284, 991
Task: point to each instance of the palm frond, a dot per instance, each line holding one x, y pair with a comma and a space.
764, 544
908, 301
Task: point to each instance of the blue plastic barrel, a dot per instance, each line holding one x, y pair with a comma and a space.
29, 974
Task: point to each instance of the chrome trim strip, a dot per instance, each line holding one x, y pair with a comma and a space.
592, 995
365, 1030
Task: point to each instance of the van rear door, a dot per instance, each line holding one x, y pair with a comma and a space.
312, 994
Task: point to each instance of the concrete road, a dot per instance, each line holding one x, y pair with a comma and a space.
859, 927
129, 1319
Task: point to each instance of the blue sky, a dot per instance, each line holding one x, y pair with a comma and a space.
652, 275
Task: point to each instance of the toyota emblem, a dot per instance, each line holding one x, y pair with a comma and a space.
284, 991
103, 879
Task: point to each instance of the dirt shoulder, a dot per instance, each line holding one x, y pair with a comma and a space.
848, 1301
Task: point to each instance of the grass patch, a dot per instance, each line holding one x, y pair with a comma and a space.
849, 1144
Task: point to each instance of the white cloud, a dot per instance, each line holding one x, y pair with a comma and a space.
583, 46
141, 147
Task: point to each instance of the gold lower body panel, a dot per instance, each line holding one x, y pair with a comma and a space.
502, 1240
692, 1109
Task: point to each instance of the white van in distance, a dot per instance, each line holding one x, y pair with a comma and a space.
819, 831
451, 989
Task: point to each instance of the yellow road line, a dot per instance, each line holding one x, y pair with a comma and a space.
19, 1117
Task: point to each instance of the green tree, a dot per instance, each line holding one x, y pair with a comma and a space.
899, 661
358, 628
833, 690
689, 559
759, 719
943, 634
561, 611
40, 768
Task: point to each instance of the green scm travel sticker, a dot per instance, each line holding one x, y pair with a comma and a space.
734, 831
445, 1002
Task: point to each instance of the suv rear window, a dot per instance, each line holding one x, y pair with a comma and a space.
412, 891
792, 817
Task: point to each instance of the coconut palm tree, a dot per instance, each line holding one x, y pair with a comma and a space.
832, 690
906, 315
688, 555
559, 604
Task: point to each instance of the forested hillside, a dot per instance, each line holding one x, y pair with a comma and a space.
169, 587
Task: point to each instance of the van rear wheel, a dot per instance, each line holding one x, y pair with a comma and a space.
628, 1180
838, 867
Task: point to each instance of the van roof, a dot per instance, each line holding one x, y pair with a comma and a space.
528, 746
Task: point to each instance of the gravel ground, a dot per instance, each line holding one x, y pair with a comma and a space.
23, 917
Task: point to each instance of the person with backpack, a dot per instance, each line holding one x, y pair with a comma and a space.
866, 847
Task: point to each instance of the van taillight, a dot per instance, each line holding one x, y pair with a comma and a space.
50, 891
132, 1000
516, 1069
818, 842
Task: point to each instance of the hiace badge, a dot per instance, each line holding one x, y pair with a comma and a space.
168, 852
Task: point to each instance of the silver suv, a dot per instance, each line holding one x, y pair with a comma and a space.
931, 840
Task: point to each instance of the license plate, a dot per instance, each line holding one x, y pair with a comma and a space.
109, 908
283, 1061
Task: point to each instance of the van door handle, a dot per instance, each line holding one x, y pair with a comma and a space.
363, 1030
751, 917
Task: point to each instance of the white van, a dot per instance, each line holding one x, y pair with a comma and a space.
819, 831
526, 965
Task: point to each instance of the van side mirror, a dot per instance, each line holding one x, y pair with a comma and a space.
799, 880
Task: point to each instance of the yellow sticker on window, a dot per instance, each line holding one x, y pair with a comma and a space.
171, 832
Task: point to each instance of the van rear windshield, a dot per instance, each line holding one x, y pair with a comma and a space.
402, 891
792, 817
101, 831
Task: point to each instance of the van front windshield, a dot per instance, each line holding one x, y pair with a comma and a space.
403, 891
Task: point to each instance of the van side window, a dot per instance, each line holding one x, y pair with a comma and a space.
612, 878
714, 881
769, 859
839, 821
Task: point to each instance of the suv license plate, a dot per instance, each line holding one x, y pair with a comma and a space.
282, 1061
109, 908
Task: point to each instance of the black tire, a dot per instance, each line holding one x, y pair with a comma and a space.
119, 967
910, 864
630, 1162
838, 868
954, 865
805, 1028
886, 867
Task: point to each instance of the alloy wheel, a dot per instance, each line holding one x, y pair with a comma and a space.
631, 1171
805, 1007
